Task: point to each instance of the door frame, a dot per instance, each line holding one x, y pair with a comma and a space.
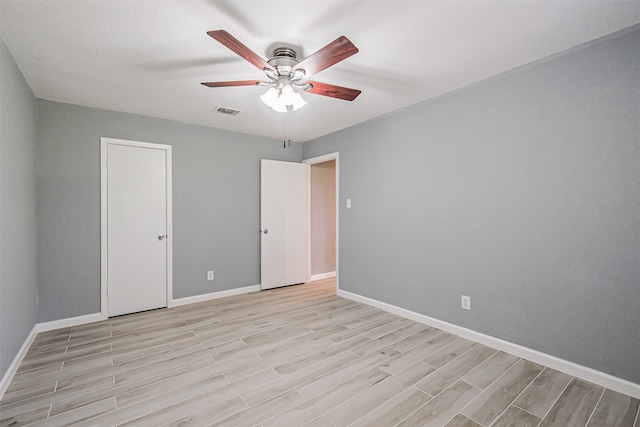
104, 143
313, 161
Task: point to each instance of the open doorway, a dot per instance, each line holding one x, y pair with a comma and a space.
323, 221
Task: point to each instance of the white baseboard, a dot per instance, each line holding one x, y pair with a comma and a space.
570, 368
13, 368
214, 295
321, 276
71, 321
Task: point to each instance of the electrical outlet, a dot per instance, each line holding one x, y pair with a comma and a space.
348, 203
466, 302
210, 275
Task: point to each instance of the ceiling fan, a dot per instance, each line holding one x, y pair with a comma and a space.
286, 74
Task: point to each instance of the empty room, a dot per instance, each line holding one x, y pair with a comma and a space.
320, 213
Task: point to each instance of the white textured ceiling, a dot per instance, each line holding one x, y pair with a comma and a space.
149, 57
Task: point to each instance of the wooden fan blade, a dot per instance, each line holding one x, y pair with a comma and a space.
236, 45
336, 51
233, 83
333, 91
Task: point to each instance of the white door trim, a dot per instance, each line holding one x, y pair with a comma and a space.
104, 142
313, 161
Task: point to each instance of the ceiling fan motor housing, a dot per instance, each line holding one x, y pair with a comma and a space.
284, 62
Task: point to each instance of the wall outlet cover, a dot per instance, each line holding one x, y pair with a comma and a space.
466, 302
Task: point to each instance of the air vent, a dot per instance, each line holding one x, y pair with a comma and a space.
227, 110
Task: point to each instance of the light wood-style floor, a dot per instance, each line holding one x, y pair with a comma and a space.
291, 357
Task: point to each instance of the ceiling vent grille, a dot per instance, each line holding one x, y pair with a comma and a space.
227, 110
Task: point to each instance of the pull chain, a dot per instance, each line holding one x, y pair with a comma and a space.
287, 119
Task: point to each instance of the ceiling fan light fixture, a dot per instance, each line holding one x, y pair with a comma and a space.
281, 108
283, 99
270, 98
287, 95
298, 102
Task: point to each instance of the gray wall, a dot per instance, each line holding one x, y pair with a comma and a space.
18, 278
521, 191
216, 200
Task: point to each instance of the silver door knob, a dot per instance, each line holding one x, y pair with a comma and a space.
265, 231
161, 237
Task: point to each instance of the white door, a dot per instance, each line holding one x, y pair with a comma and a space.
283, 217
136, 229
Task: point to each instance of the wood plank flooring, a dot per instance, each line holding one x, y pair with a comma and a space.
295, 356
